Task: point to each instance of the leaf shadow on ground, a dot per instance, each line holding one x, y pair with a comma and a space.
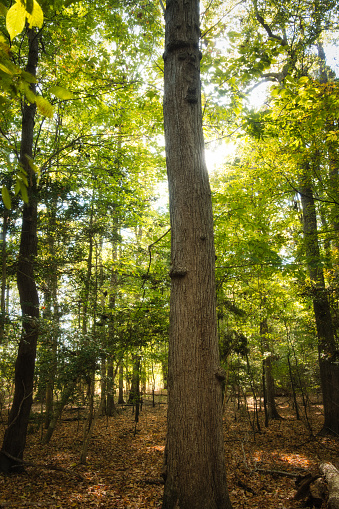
123, 469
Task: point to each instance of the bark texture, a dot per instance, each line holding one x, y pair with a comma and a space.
195, 465
328, 354
15, 434
332, 478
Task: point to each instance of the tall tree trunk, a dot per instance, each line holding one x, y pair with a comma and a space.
110, 406
15, 434
328, 355
87, 286
51, 313
3, 275
195, 465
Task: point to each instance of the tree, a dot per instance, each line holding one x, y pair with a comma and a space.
329, 370
15, 434
195, 464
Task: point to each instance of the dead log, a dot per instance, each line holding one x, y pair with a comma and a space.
331, 475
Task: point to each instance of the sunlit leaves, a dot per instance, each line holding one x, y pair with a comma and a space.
61, 93
20, 12
44, 106
6, 197
15, 19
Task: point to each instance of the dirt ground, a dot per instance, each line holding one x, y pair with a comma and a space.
123, 468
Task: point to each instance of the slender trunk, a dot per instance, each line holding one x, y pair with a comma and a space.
3, 275
121, 383
15, 435
195, 464
89, 431
88, 428
52, 315
334, 217
134, 393
103, 385
272, 412
58, 408
110, 406
294, 394
328, 355
87, 292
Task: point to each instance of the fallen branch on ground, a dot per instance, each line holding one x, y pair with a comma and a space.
277, 472
21, 463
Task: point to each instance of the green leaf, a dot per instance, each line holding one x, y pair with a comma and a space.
3, 9
6, 197
5, 69
303, 80
44, 106
33, 166
15, 20
36, 19
23, 190
29, 6
27, 76
61, 93
30, 96
17, 187
23, 178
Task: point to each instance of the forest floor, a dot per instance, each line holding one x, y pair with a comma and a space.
123, 469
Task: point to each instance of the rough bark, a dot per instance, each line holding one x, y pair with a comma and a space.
195, 465
329, 368
15, 434
332, 478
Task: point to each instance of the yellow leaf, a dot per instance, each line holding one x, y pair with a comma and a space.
15, 20
61, 93
44, 106
5, 69
35, 19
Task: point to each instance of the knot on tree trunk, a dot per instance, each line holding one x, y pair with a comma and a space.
220, 374
177, 271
